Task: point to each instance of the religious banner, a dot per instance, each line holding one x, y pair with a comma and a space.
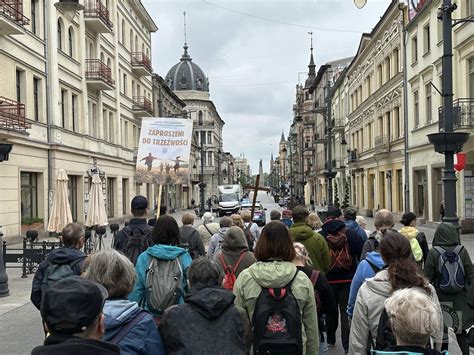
163, 151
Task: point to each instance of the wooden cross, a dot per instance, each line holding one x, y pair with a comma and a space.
256, 189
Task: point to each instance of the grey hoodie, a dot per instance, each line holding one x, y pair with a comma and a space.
216, 241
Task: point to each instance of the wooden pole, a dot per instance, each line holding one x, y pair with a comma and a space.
158, 205
255, 192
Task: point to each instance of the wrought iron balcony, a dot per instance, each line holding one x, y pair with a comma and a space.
381, 144
463, 114
352, 156
12, 116
141, 64
142, 106
12, 19
97, 17
99, 75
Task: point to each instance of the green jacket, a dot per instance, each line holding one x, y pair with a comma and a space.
314, 243
278, 274
447, 237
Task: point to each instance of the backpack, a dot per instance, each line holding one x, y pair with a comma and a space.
374, 267
276, 322
229, 278
163, 285
137, 242
57, 272
249, 236
451, 268
314, 279
339, 252
385, 337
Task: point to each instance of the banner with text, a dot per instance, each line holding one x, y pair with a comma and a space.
163, 151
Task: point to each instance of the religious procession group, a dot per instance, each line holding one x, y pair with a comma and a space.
285, 290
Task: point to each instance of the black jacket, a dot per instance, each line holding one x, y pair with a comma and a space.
141, 223
63, 255
190, 236
58, 345
207, 323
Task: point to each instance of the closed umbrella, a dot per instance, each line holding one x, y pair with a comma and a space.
61, 211
97, 215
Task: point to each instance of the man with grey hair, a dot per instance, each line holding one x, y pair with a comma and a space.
383, 220
66, 260
190, 238
218, 238
275, 215
208, 314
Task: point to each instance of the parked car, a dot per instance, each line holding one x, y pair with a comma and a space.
259, 215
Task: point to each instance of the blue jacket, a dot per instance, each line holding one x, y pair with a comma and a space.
287, 222
143, 338
160, 251
352, 225
364, 271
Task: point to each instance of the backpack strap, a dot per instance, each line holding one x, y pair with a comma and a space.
373, 266
224, 264
439, 249
238, 261
128, 327
314, 277
211, 234
458, 249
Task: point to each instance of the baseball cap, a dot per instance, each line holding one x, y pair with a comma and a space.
72, 305
207, 216
287, 213
139, 203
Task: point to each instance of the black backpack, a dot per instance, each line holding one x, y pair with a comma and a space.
276, 322
57, 272
385, 337
137, 242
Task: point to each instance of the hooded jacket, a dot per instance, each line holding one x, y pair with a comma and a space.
447, 237
163, 252
355, 243
216, 241
207, 323
314, 243
368, 307
233, 247
60, 256
287, 221
59, 345
363, 272
277, 274
188, 235
354, 226
411, 233
143, 338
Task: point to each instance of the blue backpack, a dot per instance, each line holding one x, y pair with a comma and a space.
451, 268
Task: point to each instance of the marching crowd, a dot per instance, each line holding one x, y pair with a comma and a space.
284, 290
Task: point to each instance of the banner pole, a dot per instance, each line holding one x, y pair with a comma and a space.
158, 205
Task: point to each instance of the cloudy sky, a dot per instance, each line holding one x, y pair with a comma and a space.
254, 53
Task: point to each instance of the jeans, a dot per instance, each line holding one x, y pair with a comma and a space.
323, 344
341, 294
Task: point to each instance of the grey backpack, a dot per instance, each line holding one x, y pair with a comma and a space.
57, 272
451, 268
164, 284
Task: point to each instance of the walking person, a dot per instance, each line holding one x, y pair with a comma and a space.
286, 218
190, 238
401, 272
314, 221
275, 215
217, 239
250, 225
417, 239
383, 221
208, 228
451, 286
126, 324
350, 215
292, 326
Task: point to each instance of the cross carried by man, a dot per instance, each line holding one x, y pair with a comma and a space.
255, 189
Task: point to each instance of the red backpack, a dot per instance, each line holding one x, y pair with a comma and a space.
341, 257
229, 278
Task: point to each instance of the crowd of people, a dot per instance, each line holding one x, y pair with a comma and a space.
283, 290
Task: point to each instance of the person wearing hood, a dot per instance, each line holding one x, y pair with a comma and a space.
275, 269
402, 272
235, 251
410, 232
350, 215
208, 322
208, 228
165, 237
314, 242
413, 318
72, 237
126, 324
447, 237
383, 221
217, 239
345, 246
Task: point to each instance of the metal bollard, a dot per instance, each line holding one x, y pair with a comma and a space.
4, 291
24, 275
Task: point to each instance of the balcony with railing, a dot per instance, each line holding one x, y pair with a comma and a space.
99, 75
338, 125
12, 116
97, 17
141, 64
463, 114
12, 19
142, 106
319, 107
381, 144
352, 156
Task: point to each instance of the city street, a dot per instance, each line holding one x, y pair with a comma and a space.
20, 322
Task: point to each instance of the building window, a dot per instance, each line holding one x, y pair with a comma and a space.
209, 137
439, 30
71, 42
20, 86
400, 190
131, 41
33, 16
416, 109
110, 197
125, 132
471, 75
72, 192
379, 75
387, 69
60, 35
123, 31
428, 108
36, 98
209, 159
426, 39
414, 49
111, 128
105, 129
63, 108
74, 112
369, 88
29, 195
200, 118
125, 84
397, 126
396, 61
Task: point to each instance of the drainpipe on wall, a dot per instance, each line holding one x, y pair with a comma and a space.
405, 120
48, 100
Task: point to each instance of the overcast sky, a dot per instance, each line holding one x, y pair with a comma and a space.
254, 53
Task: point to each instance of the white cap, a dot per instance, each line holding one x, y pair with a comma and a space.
207, 216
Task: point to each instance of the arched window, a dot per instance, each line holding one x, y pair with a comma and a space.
102, 58
71, 42
109, 63
131, 41
123, 31
136, 43
60, 34
200, 118
143, 48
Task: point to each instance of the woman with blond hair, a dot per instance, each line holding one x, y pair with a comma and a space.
314, 221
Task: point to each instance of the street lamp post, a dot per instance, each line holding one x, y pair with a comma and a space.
4, 291
202, 185
329, 173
